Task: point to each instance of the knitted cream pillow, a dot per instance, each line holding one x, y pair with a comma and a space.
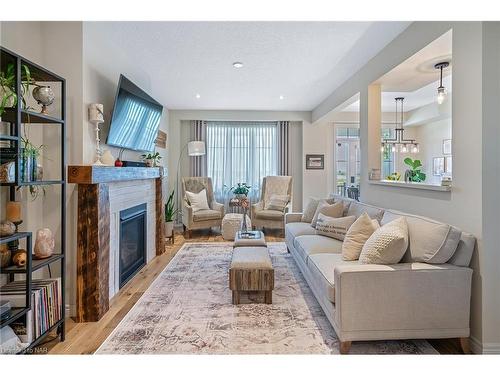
357, 235
198, 201
387, 244
334, 227
332, 210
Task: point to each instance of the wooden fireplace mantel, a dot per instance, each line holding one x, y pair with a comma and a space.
93, 230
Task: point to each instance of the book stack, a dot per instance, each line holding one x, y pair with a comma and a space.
46, 306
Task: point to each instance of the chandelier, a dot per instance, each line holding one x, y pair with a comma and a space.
399, 143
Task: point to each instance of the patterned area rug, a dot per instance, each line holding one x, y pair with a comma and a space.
188, 310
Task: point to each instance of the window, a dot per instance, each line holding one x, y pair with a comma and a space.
388, 156
347, 158
241, 152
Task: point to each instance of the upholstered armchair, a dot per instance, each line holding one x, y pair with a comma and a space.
203, 218
263, 214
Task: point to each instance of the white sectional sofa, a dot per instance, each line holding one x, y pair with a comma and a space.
409, 300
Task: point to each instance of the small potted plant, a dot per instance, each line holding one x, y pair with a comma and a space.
152, 160
240, 190
170, 212
414, 173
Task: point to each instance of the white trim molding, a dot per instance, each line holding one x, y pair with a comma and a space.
478, 347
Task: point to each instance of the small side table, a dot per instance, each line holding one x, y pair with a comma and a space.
171, 239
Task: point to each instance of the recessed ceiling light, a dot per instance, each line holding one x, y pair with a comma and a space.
238, 64
198, 96
282, 97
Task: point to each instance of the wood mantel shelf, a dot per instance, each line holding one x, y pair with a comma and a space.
93, 230
96, 174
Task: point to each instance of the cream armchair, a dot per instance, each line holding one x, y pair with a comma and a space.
264, 217
204, 218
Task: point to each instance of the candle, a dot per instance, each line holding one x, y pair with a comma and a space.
13, 211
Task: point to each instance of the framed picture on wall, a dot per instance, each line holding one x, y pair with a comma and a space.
438, 166
447, 147
315, 161
448, 165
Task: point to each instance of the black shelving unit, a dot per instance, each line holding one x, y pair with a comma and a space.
17, 116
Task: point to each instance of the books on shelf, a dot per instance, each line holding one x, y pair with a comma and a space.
46, 306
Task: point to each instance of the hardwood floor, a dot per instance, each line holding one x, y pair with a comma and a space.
85, 338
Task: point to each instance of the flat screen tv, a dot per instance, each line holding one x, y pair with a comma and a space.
136, 118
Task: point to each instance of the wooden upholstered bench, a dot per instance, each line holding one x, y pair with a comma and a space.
251, 270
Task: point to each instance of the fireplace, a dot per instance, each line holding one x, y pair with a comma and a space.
133, 241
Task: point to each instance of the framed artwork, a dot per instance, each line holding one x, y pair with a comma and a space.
448, 165
315, 161
438, 166
161, 139
447, 147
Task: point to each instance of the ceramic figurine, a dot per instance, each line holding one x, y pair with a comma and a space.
44, 244
7, 228
19, 258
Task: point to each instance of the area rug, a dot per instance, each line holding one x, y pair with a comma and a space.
188, 310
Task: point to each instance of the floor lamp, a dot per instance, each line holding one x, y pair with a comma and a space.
194, 148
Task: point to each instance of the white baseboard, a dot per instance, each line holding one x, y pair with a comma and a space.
478, 347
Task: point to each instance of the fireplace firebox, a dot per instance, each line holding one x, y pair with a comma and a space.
133, 241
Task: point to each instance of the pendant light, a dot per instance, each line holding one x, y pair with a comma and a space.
399, 143
441, 96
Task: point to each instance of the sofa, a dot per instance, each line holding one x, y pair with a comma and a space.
408, 300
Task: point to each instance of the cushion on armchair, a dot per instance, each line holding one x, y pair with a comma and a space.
270, 215
205, 215
198, 201
277, 202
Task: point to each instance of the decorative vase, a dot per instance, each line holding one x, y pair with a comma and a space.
44, 244
5, 255
19, 257
169, 228
7, 228
44, 96
118, 163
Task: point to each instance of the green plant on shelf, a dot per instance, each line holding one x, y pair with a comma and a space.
8, 93
153, 159
414, 173
29, 156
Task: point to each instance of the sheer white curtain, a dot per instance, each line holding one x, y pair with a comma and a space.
241, 152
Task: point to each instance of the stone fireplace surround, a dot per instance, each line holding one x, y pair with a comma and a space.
102, 193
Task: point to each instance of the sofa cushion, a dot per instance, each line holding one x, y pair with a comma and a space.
331, 210
204, 215
310, 210
429, 241
322, 267
270, 215
356, 236
314, 244
358, 208
465, 248
387, 244
298, 229
334, 227
344, 200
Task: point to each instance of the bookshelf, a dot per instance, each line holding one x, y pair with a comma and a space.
11, 148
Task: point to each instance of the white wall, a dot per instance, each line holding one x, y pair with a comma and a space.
461, 207
179, 135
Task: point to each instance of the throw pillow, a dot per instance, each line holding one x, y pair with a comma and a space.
278, 202
332, 210
198, 201
334, 227
357, 235
312, 205
387, 244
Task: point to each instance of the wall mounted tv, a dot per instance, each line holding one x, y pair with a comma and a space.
136, 118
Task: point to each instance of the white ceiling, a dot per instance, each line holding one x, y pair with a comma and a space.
303, 61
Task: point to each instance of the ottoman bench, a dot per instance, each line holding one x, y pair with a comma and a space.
231, 223
251, 270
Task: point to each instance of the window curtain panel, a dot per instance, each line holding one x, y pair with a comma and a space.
198, 164
241, 152
284, 158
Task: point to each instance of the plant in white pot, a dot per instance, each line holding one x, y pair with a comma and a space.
170, 212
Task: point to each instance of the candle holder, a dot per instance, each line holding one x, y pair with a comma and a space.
14, 245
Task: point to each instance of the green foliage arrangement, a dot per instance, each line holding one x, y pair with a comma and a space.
415, 172
241, 188
170, 209
154, 158
8, 86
